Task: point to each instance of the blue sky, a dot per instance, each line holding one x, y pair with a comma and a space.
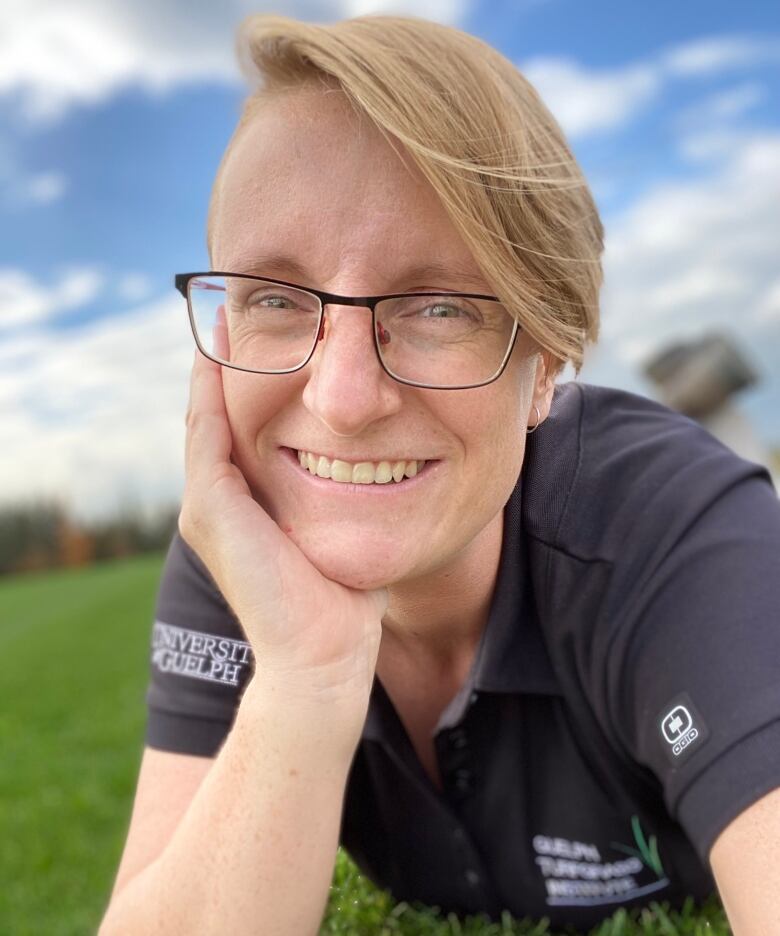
113, 118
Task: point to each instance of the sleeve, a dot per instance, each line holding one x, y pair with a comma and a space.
200, 660
699, 678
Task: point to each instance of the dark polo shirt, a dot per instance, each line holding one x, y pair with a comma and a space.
624, 702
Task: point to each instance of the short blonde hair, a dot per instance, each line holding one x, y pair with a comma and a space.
480, 135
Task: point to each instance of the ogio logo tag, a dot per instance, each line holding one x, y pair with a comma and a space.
682, 729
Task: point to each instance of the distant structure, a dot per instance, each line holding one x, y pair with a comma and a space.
700, 379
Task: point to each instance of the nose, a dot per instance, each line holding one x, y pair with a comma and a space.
347, 388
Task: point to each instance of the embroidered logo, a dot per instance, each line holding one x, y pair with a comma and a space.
682, 728
199, 655
576, 875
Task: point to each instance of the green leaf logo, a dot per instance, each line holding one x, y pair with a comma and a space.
647, 851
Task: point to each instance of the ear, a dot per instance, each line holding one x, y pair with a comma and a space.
544, 384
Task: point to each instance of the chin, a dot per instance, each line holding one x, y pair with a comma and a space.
356, 565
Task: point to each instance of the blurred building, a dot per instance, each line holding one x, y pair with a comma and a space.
702, 379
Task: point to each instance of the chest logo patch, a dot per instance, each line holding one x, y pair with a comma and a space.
576, 874
682, 729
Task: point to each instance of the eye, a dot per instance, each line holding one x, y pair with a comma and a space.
272, 301
442, 310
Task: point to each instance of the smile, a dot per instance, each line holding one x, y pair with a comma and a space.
359, 472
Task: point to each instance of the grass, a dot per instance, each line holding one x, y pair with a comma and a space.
73, 671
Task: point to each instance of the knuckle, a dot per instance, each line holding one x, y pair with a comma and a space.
198, 422
191, 525
192, 419
185, 525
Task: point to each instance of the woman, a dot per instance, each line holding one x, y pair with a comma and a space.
523, 633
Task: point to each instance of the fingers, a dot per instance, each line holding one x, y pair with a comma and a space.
208, 441
220, 336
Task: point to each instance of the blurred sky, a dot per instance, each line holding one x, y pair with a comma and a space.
113, 116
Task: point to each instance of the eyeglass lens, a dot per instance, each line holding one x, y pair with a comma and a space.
441, 340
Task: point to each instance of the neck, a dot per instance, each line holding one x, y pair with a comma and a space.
437, 620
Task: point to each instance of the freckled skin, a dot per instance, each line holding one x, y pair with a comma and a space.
309, 180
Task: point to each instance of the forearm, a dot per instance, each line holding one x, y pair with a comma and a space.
254, 853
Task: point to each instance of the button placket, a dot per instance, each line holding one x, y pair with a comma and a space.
456, 760
463, 780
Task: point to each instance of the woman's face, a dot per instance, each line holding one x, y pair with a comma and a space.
312, 195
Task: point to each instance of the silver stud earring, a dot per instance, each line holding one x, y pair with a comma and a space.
538, 420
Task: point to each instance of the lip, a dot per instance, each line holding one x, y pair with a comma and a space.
290, 457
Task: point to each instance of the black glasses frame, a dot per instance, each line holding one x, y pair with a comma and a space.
182, 284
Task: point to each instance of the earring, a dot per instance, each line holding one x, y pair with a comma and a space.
538, 420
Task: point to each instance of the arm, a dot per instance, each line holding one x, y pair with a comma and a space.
744, 862
703, 634
254, 851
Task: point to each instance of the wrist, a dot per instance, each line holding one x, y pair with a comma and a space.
302, 713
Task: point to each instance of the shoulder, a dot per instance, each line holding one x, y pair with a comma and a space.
186, 586
608, 463
200, 660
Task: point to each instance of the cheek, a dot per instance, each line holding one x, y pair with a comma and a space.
251, 401
499, 419
497, 443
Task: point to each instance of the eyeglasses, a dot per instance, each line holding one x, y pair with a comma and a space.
439, 341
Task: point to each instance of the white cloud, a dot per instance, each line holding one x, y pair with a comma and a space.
23, 301
21, 189
710, 143
60, 53
442, 11
46, 187
583, 100
707, 130
733, 102
692, 257
95, 415
133, 287
720, 53
57, 53
586, 100
768, 308
721, 107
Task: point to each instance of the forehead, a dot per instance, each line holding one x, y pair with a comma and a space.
310, 178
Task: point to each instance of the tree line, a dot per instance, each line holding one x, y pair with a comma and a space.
43, 535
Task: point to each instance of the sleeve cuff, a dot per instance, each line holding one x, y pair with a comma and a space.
738, 778
183, 735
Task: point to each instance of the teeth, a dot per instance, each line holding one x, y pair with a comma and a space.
340, 470
361, 472
384, 473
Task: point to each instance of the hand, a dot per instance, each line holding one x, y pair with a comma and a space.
309, 634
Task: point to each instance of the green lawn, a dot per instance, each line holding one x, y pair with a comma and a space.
73, 670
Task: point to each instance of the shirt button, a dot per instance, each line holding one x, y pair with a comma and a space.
459, 835
458, 739
473, 698
472, 877
464, 781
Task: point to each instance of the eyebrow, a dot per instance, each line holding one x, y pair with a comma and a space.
287, 267
273, 265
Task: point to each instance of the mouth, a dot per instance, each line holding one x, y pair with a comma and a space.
388, 471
